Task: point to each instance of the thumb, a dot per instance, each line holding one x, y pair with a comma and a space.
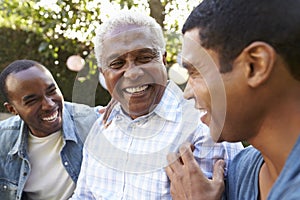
218, 174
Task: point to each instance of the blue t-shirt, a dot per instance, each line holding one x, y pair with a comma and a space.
243, 173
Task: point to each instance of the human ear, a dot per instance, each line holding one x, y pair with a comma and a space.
10, 108
260, 62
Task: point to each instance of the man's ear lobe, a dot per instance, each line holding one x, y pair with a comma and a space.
260, 58
10, 108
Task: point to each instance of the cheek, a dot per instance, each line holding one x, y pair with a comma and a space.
28, 114
199, 87
111, 79
157, 71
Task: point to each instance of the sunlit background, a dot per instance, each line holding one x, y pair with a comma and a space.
59, 34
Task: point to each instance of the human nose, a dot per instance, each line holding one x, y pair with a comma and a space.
47, 103
133, 71
188, 91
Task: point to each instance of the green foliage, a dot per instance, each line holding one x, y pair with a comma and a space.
30, 29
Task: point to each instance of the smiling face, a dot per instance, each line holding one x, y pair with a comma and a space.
219, 95
134, 70
35, 97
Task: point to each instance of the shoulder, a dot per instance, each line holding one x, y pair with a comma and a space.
13, 122
290, 190
9, 133
78, 110
10, 127
288, 183
79, 117
243, 171
247, 156
80, 113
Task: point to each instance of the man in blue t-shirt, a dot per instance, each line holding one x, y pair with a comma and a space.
243, 58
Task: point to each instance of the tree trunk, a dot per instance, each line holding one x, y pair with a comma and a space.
157, 11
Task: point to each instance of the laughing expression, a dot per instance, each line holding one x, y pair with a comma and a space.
134, 70
35, 97
205, 84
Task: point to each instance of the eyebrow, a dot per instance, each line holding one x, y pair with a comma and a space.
147, 50
143, 50
28, 97
113, 56
52, 85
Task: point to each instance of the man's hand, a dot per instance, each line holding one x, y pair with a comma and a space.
188, 181
107, 110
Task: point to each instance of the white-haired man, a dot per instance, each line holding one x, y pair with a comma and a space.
125, 159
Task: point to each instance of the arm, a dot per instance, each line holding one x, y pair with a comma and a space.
187, 179
82, 190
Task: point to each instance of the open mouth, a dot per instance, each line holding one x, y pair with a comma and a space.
203, 111
51, 118
205, 117
135, 90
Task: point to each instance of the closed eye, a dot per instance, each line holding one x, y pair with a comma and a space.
29, 100
144, 59
52, 91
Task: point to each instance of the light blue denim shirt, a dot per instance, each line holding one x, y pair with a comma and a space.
14, 163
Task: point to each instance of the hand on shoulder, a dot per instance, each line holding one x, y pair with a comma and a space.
188, 181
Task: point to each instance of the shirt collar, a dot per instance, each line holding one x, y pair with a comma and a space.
68, 133
168, 108
21, 142
69, 129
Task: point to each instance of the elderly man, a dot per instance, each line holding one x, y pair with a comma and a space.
41, 147
125, 158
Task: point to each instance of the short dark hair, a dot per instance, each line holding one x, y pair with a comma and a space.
228, 26
14, 67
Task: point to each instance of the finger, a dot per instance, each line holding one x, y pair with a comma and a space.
102, 110
186, 153
173, 159
218, 174
175, 162
169, 172
173, 167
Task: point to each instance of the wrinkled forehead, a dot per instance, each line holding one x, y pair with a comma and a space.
129, 39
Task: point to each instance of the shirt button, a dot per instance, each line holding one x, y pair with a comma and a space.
66, 163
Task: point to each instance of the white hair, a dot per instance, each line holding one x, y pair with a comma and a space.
124, 18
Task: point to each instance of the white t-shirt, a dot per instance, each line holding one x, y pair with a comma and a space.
48, 179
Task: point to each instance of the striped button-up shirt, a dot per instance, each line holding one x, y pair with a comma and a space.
126, 159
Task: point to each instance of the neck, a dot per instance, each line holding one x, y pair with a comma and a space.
278, 134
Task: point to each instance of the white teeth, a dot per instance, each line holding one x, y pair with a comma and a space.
203, 111
136, 89
51, 118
